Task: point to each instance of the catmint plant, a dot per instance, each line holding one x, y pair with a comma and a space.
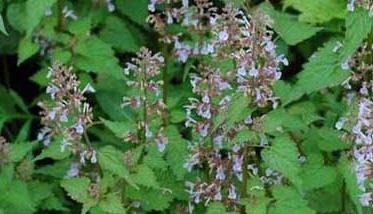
67, 114
147, 100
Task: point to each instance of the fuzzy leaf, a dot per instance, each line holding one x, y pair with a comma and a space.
116, 33
94, 55
358, 25
111, 203
288, 27
35, 11
26, 49
145, 176
282, 156
111, 159
318, 11
288, 200
323, 70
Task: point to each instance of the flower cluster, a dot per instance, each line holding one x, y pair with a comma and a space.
67, 114
147, 99
225, 168
363, 149
360, 84
365, 4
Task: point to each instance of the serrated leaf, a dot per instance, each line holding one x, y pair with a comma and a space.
154, 158
136, 10
323, 70
94, 55
111, 203
118, 128
346, 169
150, 198
289, 200
77, 188
19, 150
318, 11
256, 201
26, 49
116, 33
216, 208
35, 11
282, 156
358, 26
279, 121
111, 160
316, 175
17, 199
145, 176
329, 140
176, 152
53, 151
288, 27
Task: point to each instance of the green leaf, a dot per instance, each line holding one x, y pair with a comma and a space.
119, 128
111, 203
358, 26
279, 121
289, 200
176, 152
35, 11
94, 55
2, 27
150, 198
19, 150
54, 203
154, 158
323, 70
111, 160
77, 189
116, 33
347, 170
53, 151
316, 175
318, 11
26, 49
288, 27
216, 208
329, 140
16, 16
327, 199
136, 10
40, 191
256, 201
282, 156
24, 132
17, 199
145, 176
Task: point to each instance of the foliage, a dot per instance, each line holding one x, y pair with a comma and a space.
186, 106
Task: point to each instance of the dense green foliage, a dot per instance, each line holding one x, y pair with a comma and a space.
299, 154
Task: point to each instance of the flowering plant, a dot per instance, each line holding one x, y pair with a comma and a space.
181, 106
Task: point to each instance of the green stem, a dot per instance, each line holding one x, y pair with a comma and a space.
60, 19
245, 176
165, 113
145, 113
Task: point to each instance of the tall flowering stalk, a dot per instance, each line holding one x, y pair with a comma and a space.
247, 42
66, 115
147, 99
360, 85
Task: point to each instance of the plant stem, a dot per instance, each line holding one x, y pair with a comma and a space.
60, 4
165, 84
245, 176
145, 116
